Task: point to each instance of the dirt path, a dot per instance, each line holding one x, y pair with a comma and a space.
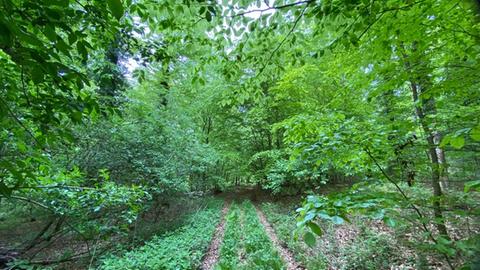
242, 253
286, 255
213, 252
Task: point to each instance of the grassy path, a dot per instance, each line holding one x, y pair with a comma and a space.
231, 246
213, 253
221, 235
286, 254
246, 244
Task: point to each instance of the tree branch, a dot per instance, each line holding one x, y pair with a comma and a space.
273, 8
56, 186
414, 207
284, 39
12, 114
32, 202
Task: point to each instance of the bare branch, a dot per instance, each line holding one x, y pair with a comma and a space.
32, 202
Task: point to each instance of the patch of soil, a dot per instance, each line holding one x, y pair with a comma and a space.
286, 254
213, 253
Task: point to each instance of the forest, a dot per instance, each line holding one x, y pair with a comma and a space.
240, 134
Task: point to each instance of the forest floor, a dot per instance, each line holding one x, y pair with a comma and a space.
285, 253
212, 256
213, 253
240, 229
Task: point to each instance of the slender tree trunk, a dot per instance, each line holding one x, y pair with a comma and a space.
443, 162
207, 128
418, 83
269, 138
435, 161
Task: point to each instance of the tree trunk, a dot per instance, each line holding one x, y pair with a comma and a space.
418, 84
442, 161
435, 163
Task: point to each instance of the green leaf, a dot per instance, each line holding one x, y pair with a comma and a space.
179, 9
445, 246
445, 141
29, 38
309, 216
315, 228
457, 142
37, 74
116, 8
49, 32
22, 147
208, 16
5, 33
475, 133
309, 239
472, 185
63, 47
77, 116
82, 50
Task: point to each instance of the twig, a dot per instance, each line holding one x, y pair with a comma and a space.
284, 39
56, 186
95, 249
414, 207
74, 257
32, 202
12, 114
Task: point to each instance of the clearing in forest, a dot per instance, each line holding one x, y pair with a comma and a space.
251, 243
347, 132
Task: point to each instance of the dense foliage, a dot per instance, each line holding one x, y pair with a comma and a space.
179, 249
110, 108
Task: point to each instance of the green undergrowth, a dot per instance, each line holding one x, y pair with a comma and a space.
354, 246
249, 236
182, 248
281, 217
260, 251
19, 222
167, 215
232, 237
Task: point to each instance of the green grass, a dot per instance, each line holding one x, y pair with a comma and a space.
182, 248
248, 237
229, 251
260, 252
